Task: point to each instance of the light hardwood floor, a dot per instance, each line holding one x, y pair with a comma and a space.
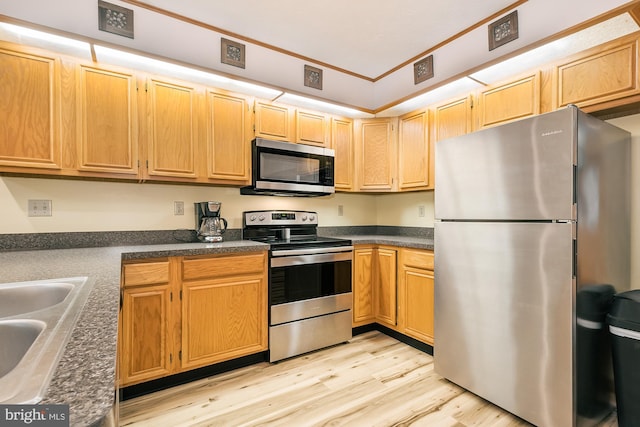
374, 380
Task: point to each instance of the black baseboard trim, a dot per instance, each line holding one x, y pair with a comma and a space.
419, 345
189, 376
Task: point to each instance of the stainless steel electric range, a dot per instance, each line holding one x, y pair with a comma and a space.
310, 295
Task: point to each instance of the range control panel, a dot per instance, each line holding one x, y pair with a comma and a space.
275, 218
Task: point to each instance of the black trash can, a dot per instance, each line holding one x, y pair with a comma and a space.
624, 326
593, 355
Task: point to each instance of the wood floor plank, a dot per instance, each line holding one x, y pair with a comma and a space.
374, 380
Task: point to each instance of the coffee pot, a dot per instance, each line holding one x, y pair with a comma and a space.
209, 225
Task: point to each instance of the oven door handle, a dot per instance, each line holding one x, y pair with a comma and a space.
311, 259
311, 251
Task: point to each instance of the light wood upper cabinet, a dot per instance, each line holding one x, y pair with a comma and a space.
342, 144
510, 101
313, 128
228, 137
384, 286
414, 151
29, 110
416, 293
107, 121
224, 311
598, 75
363, 278
376, 154
273, 121
172, 138
453, 118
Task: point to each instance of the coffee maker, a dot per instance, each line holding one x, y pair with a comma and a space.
209, 225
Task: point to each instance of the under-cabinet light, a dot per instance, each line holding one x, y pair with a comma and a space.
595, 35
450, 90
143, 63
327, 107
28, 36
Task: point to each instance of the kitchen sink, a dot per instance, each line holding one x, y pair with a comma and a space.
36, 322
20, 334
25, 298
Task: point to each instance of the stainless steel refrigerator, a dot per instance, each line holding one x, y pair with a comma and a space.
531, 241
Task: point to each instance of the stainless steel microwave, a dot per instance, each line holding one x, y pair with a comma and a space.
287, 169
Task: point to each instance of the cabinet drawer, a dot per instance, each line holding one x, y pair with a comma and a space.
417, 259
212, 267
147, 273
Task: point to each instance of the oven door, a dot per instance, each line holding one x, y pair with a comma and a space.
304, 284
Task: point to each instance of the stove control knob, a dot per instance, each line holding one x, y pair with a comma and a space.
304, 217
252, 218
312, 217
261, 217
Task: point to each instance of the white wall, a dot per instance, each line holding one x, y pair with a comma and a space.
632, 124
111, 206
403, 209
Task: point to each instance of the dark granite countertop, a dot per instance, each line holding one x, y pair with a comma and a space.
401, 241
85, 377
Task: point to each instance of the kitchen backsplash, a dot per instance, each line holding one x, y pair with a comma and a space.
93, 206
39, 241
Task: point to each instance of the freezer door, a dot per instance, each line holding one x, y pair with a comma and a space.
504, 315
521, 171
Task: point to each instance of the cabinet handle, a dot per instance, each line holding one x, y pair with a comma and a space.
121, 298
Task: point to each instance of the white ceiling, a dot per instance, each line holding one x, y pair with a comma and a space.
347, 39
366, 37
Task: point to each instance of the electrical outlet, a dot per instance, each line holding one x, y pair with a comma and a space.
421, 211
39, 208
178, 208
340, 210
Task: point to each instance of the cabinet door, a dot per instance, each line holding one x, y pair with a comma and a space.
417, 287
511, 101
413, 151
385, 299
146, 351
377, 154
363, 278
224, 308
312, 128
172, 136
601, 74
342, 138
29, 110
107, 133
274, 121
452, 119
228, 137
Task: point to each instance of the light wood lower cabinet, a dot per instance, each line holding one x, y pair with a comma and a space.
362, 285
146, 341
415, 293
384, 286
224, 308
374, 285
181, 313
394, 287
